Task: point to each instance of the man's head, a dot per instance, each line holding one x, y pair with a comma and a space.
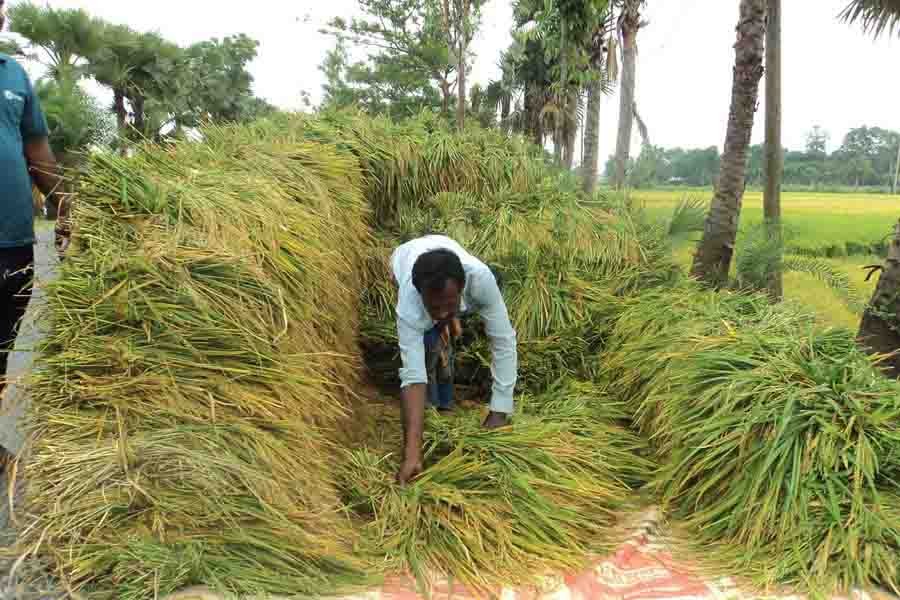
439, 277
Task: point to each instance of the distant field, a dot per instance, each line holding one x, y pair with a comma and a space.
841, 228
817, 224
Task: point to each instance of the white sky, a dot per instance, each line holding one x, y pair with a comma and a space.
834, 75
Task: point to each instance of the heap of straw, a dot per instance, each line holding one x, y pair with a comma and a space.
777, 442
501, 507
201, 349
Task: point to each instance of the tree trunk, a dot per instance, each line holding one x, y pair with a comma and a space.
879, 332
896, 169
630, 23
592, 138
119, 108
571, 128
774, 156
713, 258
446, 93
505, 107
137, 106
461, 86
563, 101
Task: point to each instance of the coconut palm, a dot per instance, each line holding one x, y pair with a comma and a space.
713, 258
879, 331
603, 61
629, 24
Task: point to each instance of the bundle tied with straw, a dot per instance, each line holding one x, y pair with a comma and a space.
201, 348
777, 441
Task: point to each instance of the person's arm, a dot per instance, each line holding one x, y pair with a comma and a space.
45, 173
499, 329
42, 164
413, 378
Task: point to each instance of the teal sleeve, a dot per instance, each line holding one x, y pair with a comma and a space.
34, 124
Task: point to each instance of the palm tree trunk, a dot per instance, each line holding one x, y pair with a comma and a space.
630, 23
461, 87
573, 103
119, 108
879, 332
505, 107
592, 138
896, 170
774, 159
137, 106
713, 258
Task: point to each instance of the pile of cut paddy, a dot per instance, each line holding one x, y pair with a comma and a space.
777, 442
508, 506
201, 349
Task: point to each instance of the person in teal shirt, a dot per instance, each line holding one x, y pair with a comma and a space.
25, 158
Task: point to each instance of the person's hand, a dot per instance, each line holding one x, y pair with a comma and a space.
455, 328
63, 236
496, 420
409, 470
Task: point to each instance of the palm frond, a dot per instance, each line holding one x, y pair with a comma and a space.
688, 217
876, 16
836, 279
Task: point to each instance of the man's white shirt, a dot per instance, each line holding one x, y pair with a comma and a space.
481, 295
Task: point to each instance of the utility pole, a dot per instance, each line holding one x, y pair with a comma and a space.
774, 152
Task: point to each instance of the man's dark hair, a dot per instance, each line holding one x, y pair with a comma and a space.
435, 268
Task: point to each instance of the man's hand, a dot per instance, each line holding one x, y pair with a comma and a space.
413, 398
409, 470
496, 420
62, 239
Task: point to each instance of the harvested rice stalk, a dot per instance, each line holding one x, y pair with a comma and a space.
503, 507
777, 442
201, 348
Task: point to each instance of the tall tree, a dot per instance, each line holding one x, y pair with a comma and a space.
879, 331
629, 25
712, 260
603, 66
880, 328
64, 38
774, 151
461, 19
408, 51
817, 142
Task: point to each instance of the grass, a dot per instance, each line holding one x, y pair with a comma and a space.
822, 224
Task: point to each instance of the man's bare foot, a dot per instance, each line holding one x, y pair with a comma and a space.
496, 420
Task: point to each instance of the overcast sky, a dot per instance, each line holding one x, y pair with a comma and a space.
834, 75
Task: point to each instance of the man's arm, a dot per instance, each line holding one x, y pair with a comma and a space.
499, 329
45, 173
413, 378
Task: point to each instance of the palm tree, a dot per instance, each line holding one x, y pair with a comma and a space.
713, 258
603, 62
66, 36
879, 332
629, 24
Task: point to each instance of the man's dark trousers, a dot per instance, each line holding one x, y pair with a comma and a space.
16, 276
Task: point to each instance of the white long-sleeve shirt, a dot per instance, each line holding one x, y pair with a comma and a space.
480, 295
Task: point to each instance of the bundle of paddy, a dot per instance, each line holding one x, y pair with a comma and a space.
778, 443
408, 163
201, 348
502, 507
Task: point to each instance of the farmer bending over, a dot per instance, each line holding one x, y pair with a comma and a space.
439, 282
